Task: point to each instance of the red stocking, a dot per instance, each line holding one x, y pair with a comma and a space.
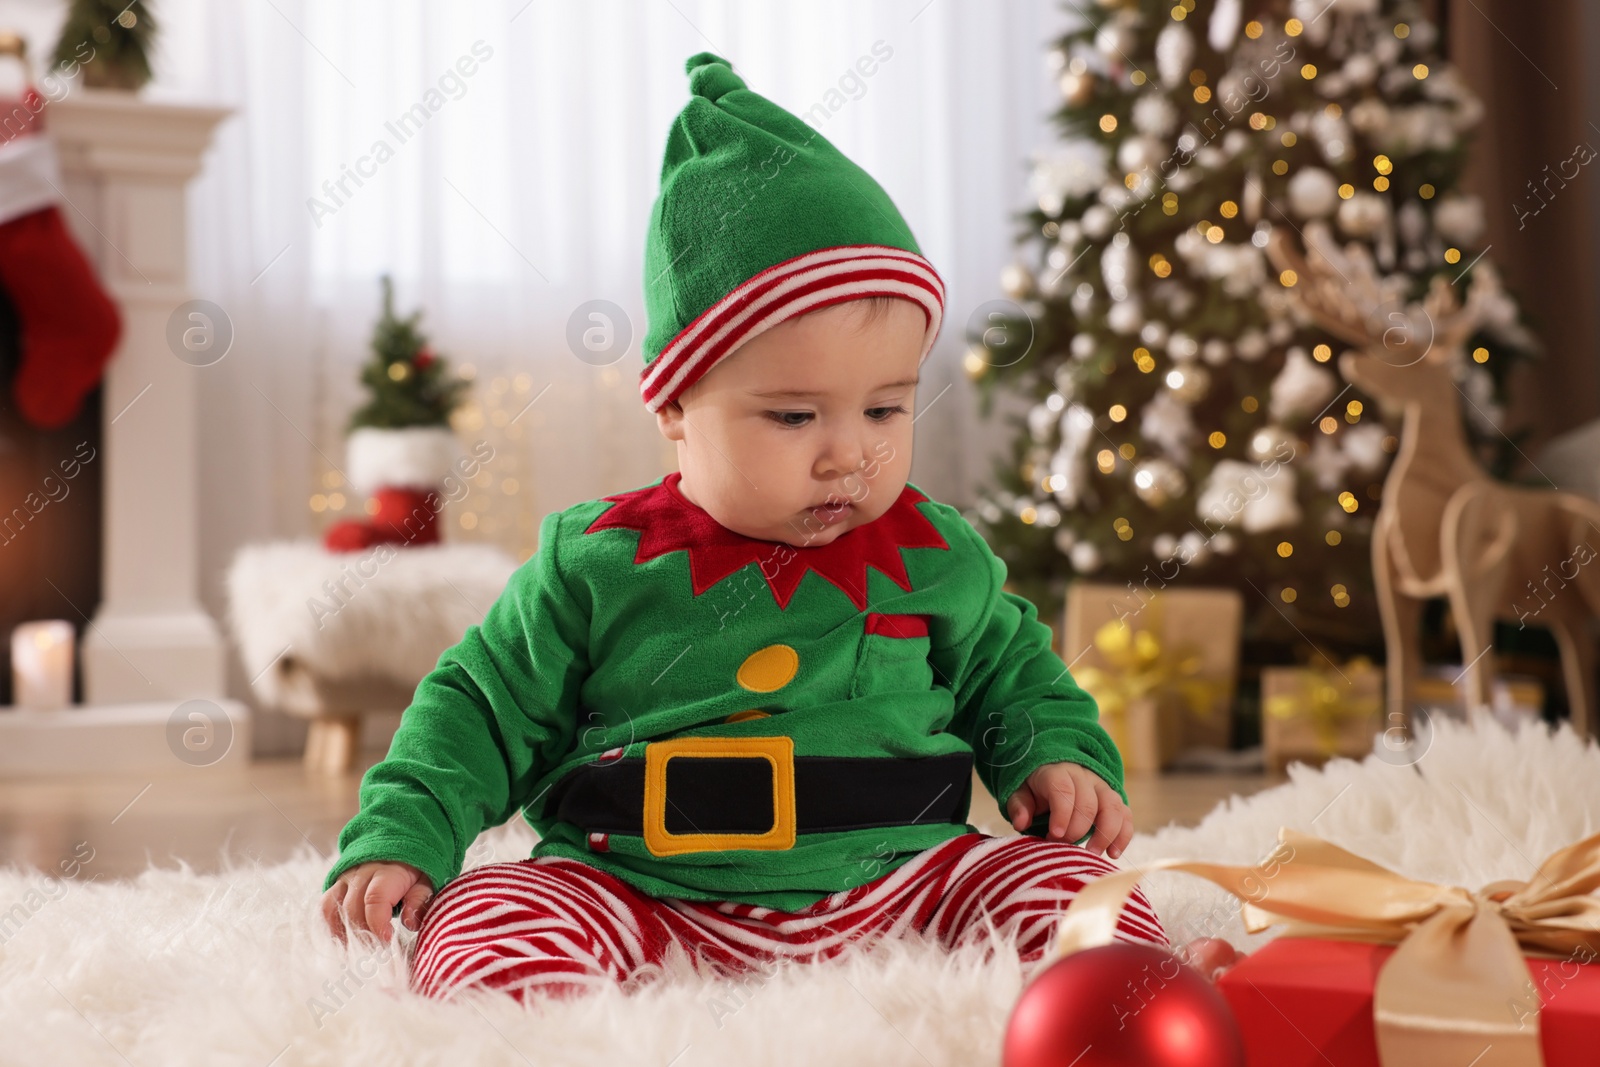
69, 326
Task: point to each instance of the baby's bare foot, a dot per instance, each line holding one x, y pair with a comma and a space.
1208, 955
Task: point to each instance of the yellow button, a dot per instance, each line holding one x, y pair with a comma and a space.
770, 668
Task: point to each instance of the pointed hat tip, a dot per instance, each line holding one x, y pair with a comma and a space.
710, 76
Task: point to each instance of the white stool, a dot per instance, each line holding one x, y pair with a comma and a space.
329, 636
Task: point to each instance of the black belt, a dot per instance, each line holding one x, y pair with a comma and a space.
707, 793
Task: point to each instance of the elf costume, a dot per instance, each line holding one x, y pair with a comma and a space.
686, 714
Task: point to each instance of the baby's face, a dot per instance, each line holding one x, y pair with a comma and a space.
804, 432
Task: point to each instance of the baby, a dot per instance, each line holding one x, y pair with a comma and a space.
742, 705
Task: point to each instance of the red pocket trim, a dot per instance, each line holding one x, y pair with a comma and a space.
897, 625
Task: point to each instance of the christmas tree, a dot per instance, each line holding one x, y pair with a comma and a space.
407, 382
1164, 373
111, 39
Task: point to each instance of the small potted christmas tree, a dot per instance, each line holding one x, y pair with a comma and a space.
111, 39
400, 447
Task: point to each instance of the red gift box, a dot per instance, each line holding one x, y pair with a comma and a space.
1372, 960
1307, 1002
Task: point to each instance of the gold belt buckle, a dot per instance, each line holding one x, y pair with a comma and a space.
778, 751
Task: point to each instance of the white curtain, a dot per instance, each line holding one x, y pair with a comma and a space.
519, 190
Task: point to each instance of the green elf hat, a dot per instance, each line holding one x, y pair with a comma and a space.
760, 219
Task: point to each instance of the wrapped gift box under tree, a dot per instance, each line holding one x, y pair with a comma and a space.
1316, 712
1163, 665
1516, 698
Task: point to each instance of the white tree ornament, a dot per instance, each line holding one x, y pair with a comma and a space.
1067, 466
1244, 494
1313, 193
1301, 387
1224, 25
1174, 53
1168, 422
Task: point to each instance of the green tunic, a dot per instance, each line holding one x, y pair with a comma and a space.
640, 618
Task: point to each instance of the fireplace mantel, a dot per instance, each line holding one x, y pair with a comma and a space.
125, 165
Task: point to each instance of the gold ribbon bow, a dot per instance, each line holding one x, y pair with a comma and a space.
1140, 666
1456, 989
1326, 699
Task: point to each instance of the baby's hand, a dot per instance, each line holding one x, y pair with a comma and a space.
366, 894
1076, 797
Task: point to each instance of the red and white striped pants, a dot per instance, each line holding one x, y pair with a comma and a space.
560, 926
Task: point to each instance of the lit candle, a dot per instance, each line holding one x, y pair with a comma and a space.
41, 665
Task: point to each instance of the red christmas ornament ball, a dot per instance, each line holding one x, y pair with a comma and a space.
1122, 1004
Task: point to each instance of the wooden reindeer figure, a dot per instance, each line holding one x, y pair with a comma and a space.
1445, 527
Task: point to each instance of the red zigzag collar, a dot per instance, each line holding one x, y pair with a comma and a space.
668, 521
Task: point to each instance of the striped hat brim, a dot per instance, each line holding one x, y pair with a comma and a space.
804, 283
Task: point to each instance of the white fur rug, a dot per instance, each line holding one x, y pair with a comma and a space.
236, 968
